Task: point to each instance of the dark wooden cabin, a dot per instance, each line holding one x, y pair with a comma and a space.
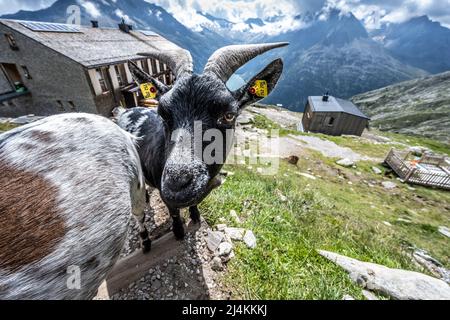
333, 116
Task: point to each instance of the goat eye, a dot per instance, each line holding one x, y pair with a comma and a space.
229, 117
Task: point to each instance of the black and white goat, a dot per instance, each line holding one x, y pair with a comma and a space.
68, 187
169, 162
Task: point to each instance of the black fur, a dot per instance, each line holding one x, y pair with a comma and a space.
193, 98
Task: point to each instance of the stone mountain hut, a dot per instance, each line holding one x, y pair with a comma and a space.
48, 68
333, 116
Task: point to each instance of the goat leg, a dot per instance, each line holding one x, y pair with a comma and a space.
147, 197
194, 214
146, 243
177, 223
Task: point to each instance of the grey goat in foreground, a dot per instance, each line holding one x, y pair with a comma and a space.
69, 184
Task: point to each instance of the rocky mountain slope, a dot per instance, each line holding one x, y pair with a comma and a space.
419, 42
419, 107
334, 53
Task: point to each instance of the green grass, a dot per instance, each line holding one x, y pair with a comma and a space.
328, 214
262, 122
359, 145
7, 126
436, 146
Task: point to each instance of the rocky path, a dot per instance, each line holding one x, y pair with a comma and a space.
188, 275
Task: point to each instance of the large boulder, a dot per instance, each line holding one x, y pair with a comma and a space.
389, 185
394, 283
346, 162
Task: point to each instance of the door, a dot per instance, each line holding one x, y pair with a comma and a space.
12, 73
5, 83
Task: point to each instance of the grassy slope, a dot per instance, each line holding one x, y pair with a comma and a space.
417, 107
327, 213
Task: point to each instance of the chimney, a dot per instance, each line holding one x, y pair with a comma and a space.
325, 97
125, 27
94, 23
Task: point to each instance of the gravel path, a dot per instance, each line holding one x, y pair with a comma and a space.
185, 276
329, 148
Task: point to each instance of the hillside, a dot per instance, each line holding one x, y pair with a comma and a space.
417, 107
419, 42
294, 211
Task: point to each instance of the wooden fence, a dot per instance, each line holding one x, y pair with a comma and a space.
430, 170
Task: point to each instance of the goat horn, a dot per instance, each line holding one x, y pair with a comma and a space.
225, 61
179, 61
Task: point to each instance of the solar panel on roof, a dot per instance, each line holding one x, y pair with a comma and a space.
148, 33
50, 27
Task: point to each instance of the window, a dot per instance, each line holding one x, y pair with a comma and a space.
145, 65
26, 72
118, 75
60, 105
72, 106
101, 77
329, 121
11, 41
153, 63
121, 74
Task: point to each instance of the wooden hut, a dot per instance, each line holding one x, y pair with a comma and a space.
333, 116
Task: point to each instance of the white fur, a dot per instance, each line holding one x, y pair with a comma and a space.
99, 185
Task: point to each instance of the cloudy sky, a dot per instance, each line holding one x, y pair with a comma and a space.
371, 11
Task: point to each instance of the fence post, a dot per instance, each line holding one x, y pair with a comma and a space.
409, 174
407, 155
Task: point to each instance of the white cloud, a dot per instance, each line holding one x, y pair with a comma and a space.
119, 13
90, 8
237, 11
12, 6
372, 12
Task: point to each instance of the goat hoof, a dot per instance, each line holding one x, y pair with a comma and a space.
146, 245
178, 231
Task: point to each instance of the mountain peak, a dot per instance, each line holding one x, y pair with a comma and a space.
423, 18
343, 28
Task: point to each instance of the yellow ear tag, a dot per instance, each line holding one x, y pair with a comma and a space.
148, 90
259, 89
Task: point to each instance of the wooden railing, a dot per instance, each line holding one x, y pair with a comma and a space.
397, 164
436, 179
430, 170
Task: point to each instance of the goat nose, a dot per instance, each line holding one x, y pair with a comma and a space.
180, 181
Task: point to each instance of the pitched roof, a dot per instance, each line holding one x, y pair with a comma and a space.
334, 105
93, 47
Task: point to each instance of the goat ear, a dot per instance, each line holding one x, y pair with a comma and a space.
267, 79
140, 76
